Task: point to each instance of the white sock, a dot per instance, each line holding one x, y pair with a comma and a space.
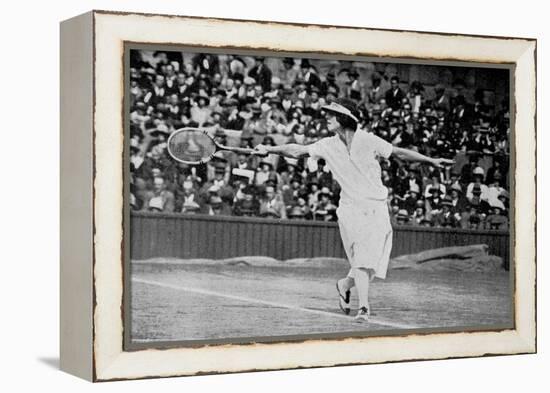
362, 281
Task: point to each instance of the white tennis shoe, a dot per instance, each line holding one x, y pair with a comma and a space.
363, 315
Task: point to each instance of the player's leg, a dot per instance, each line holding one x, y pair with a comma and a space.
363, 277
343, 286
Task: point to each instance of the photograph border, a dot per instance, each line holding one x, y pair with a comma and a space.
111, 362
126, 301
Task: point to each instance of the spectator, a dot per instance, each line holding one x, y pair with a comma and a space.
324, 209
474, 219
375, 93
441, 101
419, 214
411, 198
296, 213
477, 186
266, 172
159, 199
217, 207
467, 172
402, 217
190, 199
301, 206
458, 201
445, 217
495, 220
200, 112
247, 206
271, 205
394, 95
278, 101
261, 73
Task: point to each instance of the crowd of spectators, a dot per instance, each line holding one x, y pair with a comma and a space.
249, 100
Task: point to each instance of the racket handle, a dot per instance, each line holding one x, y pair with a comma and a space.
241, 150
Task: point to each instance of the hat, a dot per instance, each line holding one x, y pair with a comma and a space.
161, 129
504, 194
215, 200
296, 211
214, 189
426, 220
267, 163
479, 171
245, 115
288, 90
191, 206
456, 187
325, 191
340, 109
249, 80
403, 214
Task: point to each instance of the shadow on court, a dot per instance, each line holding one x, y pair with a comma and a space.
175, 300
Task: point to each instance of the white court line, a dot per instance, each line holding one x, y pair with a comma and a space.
379, 321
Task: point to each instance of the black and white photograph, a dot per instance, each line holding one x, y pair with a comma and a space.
276, 197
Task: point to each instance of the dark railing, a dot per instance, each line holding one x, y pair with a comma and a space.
218, 237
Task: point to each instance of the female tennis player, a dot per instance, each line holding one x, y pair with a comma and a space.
363, 218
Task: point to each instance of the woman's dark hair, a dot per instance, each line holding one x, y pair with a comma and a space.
346, 121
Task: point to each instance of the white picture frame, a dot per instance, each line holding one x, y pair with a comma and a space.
92, 246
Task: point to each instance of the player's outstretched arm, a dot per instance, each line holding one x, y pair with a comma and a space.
411, 155
291, 150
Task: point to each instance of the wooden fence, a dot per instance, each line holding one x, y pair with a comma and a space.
200, 236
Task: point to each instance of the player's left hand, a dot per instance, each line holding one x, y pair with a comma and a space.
441, 162
260, 150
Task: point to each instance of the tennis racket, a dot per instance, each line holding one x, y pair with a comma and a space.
194, 146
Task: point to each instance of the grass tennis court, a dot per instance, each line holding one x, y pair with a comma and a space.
179, 300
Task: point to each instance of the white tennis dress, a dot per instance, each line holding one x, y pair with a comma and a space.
363, 215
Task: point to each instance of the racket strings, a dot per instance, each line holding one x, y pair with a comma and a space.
192, 146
